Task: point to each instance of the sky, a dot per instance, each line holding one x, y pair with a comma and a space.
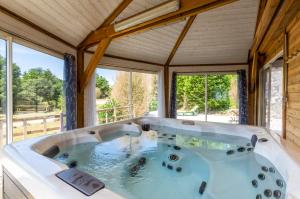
110, 75
27, 58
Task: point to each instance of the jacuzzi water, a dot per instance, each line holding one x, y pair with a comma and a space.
171, 163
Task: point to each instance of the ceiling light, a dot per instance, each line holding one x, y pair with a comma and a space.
152, 13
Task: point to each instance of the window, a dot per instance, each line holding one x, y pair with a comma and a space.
271, 96
3, 92
123, 95
207, 97
37, 93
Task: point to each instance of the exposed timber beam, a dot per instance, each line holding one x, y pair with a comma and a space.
108, 20
180, 38
80, 92
34, 26
166, 70
84, 76
265, 20
287, 11
216, 64
187, 9
262, 5
102, 46
127, 59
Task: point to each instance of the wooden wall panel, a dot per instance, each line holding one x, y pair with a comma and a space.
293, 82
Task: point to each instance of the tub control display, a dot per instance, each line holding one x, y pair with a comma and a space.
81, 181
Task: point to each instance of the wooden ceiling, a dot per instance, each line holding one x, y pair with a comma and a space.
151, 46
70, 20
222, 35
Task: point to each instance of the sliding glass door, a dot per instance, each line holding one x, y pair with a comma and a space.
31, 96
207, 97
271, 96
37, 87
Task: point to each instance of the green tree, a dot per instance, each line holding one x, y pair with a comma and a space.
103, 86
39, 85
191, 92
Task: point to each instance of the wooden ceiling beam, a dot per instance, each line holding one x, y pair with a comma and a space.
34, 26
187, 9
288, 10
264, 22
108, 20
99, 53
216, 64
180, 38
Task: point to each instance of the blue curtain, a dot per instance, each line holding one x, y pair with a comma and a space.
70, 91
173, 96
243, 97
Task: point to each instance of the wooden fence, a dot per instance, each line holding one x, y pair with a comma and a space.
113, 114
27, 126
23, 126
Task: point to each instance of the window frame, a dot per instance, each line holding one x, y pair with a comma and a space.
261, 103
206, 74
160, 90
10, 39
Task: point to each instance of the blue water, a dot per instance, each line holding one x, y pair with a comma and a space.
201, 158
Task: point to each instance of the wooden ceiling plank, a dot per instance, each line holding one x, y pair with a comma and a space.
265, 20
107, 21
99, 53
34, 26
187, 9
180, 38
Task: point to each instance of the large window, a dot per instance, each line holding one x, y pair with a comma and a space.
123, 95
207, 97
271, 96
37, 93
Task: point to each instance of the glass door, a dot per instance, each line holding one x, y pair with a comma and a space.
266, 98
208, 97
271, 96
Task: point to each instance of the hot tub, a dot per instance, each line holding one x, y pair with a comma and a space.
151, 158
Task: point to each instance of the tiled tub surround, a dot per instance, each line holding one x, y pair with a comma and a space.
33, 175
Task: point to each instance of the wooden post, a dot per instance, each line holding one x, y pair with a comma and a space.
1, 133
24, 128
106, 117
45, 125
285, 84
115, 114
166, 90
80, 92
61, 118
